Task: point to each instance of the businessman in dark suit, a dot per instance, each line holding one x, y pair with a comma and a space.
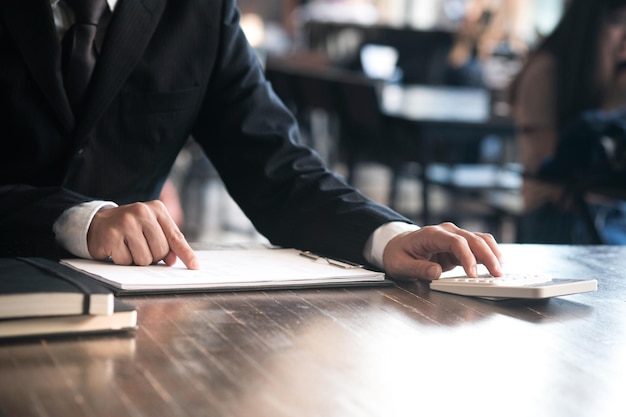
81, 173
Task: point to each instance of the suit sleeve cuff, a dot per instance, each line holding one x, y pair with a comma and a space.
72, 226
377, 242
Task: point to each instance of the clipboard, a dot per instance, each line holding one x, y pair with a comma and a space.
233, 270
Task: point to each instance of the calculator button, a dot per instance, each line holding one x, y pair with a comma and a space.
507, 279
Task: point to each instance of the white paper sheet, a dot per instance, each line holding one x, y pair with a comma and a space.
227, 269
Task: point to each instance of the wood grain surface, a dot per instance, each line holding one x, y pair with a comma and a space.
392, 351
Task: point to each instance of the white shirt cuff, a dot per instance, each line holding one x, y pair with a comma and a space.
376, 244
72, 226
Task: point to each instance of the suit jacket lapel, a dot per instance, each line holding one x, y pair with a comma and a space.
129, 32
32, 26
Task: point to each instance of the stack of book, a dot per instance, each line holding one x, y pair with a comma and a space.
40, 297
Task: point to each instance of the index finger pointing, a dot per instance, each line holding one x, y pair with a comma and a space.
494, 259
178, 244
478, 248
468, 248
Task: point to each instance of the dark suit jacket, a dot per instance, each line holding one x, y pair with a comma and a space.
167, 70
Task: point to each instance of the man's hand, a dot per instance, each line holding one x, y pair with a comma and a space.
139, 234
426, 253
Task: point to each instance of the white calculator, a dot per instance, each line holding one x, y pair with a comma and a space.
513, 286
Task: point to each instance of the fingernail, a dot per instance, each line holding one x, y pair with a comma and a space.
194, 264
474, 270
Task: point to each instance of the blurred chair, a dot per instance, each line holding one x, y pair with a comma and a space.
369, 135
319, 112
464, 148
311, 97
357, 129
480, 180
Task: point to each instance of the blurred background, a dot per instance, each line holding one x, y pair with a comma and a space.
405, 98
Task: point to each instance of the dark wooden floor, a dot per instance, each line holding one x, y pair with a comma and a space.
393, 351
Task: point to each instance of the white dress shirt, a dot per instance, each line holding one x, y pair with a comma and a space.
72, 226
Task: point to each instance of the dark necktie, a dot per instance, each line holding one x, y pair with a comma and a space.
79, 56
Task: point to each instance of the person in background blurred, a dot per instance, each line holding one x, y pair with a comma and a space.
578, 67
464, 63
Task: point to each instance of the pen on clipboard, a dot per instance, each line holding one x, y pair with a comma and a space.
334, 262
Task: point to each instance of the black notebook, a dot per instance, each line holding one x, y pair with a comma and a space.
36, 287
123, 318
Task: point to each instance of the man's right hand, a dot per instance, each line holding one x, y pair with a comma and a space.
425, 253
138, 234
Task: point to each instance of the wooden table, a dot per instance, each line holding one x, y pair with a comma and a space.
392, 351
